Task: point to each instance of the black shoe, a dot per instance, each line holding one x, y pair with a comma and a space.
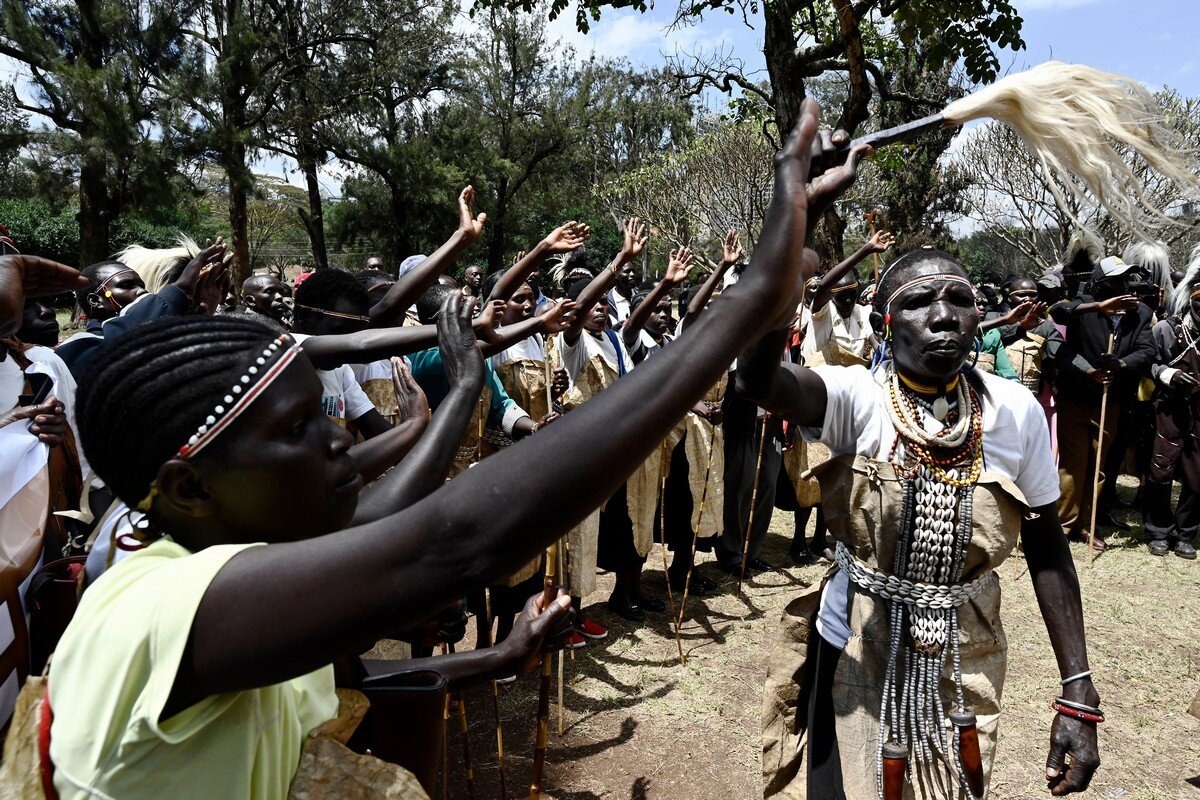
1159, 547
626, 610
698, 587
1185, 549
705, 544
1109, 521
758, 565
802, 556
651, 604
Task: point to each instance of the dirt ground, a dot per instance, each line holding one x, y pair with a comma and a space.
638, 725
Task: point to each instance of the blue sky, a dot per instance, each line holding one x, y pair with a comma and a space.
1150, 40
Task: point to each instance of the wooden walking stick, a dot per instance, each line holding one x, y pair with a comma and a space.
461, 702
872, 217
487, 603
560, 663
762, 440
662, 532
1099, 457
446, 742
543, 709
558, 567
687, 581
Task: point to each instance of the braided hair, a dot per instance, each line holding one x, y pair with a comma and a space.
146, 392
327, 286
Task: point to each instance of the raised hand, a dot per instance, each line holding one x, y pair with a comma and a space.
634, 232
829, 175
1120, 304
732, 250
1033, 317
881, 241
211, 255
211, 287
488, 318
566, 238
679, 266
411, 402
517, 258
470, 225
1017, 313
24, 276
1184, 382
461, 359
558, 317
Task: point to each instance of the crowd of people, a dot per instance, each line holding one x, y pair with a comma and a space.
370, 430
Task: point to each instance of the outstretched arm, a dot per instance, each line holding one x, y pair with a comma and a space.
1056, 586
562, 239
677, 271
634, 242
699, 301
283, 610
406, 291
878, 243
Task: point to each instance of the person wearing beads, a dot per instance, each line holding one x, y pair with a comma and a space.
895, 663
215, 649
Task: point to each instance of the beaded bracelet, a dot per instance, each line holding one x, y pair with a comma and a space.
1067, 711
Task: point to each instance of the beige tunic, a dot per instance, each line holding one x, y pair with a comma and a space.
863, 500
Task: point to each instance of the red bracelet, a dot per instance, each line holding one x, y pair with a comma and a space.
1076, 713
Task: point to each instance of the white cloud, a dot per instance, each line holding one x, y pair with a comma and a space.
1187, 66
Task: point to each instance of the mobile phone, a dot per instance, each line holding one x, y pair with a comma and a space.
41, 385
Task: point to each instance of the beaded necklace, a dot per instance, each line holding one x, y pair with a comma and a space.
939, 471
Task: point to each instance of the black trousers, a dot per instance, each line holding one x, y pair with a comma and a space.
741, 458
615, 551
824, 762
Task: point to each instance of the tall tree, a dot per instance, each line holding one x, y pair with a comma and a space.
89, 66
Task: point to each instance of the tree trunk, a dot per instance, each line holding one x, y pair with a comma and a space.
497, 222
783, 68
240, 182
314, 218
94, 213
401, 239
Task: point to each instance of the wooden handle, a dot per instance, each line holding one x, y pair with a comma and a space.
895, 762
900, 133
543, 730
968, 749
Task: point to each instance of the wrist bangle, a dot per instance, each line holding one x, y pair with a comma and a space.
1085, 674
1078, 706
1067, 711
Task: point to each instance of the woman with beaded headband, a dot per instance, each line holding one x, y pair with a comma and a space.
214, 651
887, 680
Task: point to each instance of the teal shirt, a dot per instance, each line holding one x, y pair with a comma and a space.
430, 374
993, 344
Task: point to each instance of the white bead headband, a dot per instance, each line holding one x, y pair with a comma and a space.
240, 396
942, 276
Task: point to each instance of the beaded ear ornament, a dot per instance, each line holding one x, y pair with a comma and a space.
248, 387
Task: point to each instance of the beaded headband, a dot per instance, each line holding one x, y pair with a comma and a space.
103, 287
328, 313
244, 391
853, 287
941, 276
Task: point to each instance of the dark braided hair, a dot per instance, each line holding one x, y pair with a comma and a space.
430, 303
325, 287
145, 393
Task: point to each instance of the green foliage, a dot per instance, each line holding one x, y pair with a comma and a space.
949, 30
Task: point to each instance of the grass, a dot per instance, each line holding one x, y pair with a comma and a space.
639, 725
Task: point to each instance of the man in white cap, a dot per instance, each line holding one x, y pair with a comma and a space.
1105, 312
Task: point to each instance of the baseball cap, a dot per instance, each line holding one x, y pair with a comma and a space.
1113, 266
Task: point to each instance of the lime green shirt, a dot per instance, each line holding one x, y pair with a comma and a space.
114, 670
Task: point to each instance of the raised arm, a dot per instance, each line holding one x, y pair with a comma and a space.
425, 467
678, 267
404, 292
634, 233
554, 319
562, 239
732, 253
30, 276
879, 242
283, 610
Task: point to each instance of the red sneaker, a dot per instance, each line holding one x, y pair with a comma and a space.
574, 641
591, 630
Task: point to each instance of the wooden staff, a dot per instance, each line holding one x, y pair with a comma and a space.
662, 532
1099, 454
487, 604
461, 702
871, 217
543, 709
687, 581
968, 748
560, 663
762, 440
549, 410
446, 742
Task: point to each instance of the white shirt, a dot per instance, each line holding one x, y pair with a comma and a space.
575, 356
341, 396
529, 349
1016, 444
618, 306
849, 332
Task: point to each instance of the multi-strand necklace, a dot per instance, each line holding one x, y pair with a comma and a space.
939, 471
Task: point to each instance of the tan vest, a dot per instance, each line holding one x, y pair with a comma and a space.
862, 498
